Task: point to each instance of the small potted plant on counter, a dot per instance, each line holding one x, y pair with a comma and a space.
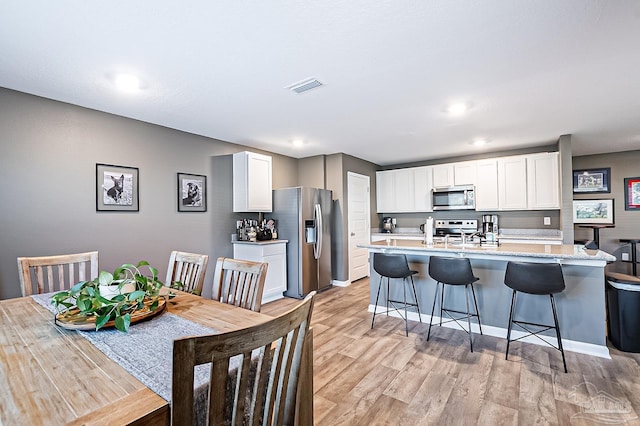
111, 299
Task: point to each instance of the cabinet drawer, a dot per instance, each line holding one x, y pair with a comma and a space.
271, 249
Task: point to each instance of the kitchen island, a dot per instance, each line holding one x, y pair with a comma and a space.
581, 307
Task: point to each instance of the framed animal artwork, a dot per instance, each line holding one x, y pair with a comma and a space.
192, 193
116, 188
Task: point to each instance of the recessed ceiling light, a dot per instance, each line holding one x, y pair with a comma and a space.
457, 108
127, 82
480, 142
297, 143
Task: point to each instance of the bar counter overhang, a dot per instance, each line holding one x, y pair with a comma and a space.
581, 307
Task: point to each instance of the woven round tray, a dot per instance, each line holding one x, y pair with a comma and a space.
72, 321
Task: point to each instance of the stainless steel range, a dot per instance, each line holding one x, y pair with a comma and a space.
455, 227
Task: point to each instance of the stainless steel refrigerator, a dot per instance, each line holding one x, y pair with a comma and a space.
304, 218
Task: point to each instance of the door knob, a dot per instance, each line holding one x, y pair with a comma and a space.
353, 234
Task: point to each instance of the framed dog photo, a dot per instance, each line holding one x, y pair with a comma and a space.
116, 188
192, 193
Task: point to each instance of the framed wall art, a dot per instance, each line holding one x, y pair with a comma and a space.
592, 181
593, 211
192, 193
632, 193
116, 188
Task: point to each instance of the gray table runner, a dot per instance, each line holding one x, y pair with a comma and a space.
146, 350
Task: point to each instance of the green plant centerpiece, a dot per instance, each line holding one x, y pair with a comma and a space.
111, 297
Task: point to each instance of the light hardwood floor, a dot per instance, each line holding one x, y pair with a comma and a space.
366, 377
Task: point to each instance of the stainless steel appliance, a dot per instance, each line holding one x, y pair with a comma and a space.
388, 224
454, 198
455, 227
490, 227
304, 219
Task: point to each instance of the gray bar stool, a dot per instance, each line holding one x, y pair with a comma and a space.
395, 266
535, 278
454, 271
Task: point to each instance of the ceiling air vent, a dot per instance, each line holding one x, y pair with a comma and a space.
305, 85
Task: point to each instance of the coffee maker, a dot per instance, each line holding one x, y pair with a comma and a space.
388, 224
490, 227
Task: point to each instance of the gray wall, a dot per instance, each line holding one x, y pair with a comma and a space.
48, 156
627, 222
566, 189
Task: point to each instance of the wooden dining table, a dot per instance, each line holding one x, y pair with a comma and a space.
54, 376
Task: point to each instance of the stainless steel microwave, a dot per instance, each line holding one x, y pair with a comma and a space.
454, 198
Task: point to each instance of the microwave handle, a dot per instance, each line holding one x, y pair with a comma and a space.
466, 198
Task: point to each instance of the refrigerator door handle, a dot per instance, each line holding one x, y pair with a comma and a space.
317, 218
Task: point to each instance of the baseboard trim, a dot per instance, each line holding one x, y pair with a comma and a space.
337, 283
569, 345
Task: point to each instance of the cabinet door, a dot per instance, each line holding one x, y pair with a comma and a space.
252, 182
543, 181
443, 175
512, 183
384, 191
487, 185
403, 190
464, 173
422, 189
275, 282
259, 182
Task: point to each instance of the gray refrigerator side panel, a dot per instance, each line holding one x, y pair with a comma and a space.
286, 210
324, 272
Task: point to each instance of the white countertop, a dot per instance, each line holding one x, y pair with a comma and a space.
557, 252
260, 242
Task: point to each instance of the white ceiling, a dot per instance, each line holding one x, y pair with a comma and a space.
532, 70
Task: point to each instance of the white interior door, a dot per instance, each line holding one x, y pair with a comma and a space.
359, 224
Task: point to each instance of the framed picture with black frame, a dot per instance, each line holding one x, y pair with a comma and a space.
117, 188
192, 193
632, 193
593, 211
592, 181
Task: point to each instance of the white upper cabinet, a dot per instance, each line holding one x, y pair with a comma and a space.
252, 182
464, 173
403, 190
443, 175
384, 191
543, 183
422, 188
512, 183
487, 185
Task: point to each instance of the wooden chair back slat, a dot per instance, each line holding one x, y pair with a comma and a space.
46, 274
262, 389
239, 282
187, 268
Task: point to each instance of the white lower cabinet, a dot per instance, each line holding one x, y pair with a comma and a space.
275, 254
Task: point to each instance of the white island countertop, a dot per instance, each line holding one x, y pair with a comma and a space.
567, 253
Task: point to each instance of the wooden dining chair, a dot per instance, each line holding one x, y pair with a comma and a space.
47, 274
188, 269
239, 282
265, 384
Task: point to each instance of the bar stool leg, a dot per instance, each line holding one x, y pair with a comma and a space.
415, 297
376, 305
433, 309
466, 299
555, 320
513, 304
406, 316
388, 279
475, 302
441, 303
